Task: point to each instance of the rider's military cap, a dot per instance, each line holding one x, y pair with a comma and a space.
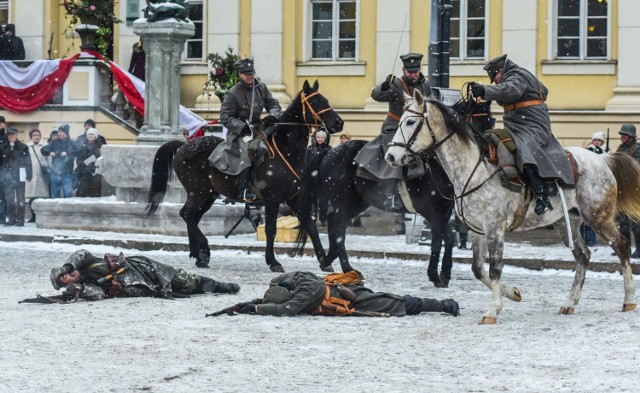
628, 129
412, 61
245, 66
495, 65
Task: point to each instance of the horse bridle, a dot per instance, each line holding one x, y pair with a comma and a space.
306, 105
424, 119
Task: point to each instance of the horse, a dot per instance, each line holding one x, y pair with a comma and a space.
275, 181
333, 173
606, 185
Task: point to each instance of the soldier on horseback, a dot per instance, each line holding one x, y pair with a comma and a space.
240, 114
539, 155
371, 158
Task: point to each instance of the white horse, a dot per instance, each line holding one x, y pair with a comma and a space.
607, 185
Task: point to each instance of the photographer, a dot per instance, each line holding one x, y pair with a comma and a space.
11, 47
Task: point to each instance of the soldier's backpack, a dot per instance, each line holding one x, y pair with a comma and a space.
502, 151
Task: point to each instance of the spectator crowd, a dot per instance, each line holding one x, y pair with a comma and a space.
56, 168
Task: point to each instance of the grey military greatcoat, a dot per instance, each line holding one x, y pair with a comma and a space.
371, 156
232, 157
530, 126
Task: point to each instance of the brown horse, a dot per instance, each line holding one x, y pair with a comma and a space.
275, 181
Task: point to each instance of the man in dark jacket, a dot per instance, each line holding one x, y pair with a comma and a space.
526, 116
3, 139
88, 277
11, 47
231, 156
63, 153
295, 293
392, 90
15, 169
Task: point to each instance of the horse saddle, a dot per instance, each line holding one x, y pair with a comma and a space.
502, 149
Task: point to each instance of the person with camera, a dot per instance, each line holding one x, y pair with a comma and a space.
11, 46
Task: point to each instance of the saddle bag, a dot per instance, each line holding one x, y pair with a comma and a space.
502, 149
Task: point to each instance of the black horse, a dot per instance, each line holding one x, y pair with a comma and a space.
275, 181
333, 173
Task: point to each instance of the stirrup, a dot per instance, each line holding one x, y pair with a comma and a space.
247, 196
542, 206
393, 203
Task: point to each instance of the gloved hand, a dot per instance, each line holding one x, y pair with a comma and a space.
269, 120
247, 308
450, 306
247, 130
387, 82
477, 90
70, 292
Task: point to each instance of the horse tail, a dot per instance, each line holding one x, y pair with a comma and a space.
626, 171
161, 175
309, 193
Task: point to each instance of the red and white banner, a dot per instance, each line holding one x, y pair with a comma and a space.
27, 89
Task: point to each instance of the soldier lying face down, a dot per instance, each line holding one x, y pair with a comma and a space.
88, 277
305, 293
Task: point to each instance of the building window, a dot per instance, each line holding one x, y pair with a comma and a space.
468, 22
195, 44
334, 29
582, 29
4, 13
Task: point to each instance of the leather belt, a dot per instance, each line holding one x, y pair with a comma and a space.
522, 104
393, 116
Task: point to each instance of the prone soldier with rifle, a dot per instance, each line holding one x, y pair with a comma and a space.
337, 294
88, 277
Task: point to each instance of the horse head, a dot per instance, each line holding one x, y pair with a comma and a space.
424, 126
316, 109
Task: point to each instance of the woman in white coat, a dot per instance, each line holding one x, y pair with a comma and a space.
38, 187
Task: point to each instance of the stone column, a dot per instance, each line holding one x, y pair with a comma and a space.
163, 42
626, 96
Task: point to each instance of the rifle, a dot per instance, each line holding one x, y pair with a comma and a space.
233, 310
39, 299
606, 149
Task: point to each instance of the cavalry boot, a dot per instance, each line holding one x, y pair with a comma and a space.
537, 185
244, 181
449, 306
392, 203
210, 285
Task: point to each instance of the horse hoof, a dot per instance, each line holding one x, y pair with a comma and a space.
277, 268
327, 268
202, 264
516, 295
628, 307
566, 310
440, 284
488, 321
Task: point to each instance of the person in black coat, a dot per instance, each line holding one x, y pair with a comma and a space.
3, 139
15, 169
63, 153
11, 47
319, 144
88, 183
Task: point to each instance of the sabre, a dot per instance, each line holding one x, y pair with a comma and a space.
253, 94
566, 215
399, 42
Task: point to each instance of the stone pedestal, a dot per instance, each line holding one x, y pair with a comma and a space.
208, 100
163, 42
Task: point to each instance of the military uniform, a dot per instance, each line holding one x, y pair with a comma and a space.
141, 277
231, 157
632, 148
371, 156
306, 292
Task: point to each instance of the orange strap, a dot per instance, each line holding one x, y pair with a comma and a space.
332, 305
522, 104
393, 116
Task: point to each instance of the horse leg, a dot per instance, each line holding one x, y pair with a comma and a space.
270, 229
436, 246
620, 245
312, 231
447, 257
337, 238
582, 255
192, 213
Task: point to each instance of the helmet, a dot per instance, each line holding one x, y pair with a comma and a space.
628, 129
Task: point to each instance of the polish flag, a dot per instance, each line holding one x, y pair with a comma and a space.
25, 89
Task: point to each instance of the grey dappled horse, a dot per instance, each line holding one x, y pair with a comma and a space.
606, 185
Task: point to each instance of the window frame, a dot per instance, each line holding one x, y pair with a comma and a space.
463, 37
6, 5
189, 40
582, 34
335, 28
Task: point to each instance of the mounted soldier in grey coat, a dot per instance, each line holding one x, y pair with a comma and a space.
371, 157
539, 155
246, 99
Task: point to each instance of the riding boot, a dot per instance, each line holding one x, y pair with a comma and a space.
392, 202
244, 181
210, 285
543, 204
449, 306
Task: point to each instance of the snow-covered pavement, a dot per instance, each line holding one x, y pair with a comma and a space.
157, 345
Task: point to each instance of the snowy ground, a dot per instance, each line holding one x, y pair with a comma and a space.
157, 345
